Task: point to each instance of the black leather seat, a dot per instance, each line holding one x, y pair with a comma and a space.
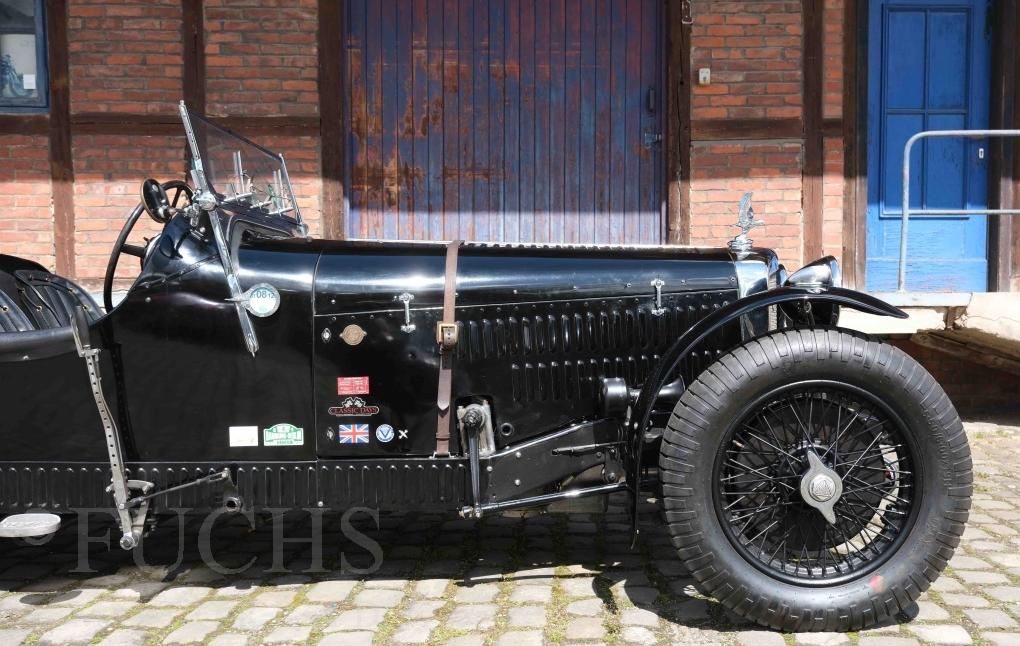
12, 317
49, 300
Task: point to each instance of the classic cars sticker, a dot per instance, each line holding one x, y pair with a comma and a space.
352, 434
352, 385
384, 433
244, 435
353, 407
353, 334
283, 435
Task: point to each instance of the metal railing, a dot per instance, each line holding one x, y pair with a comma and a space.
907, 211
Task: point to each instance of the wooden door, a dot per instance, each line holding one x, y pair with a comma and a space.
504, 120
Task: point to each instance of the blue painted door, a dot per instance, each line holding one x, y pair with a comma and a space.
928, 69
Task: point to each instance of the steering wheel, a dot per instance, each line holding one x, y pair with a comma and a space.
159, 206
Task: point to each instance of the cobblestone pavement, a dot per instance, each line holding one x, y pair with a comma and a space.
555, 578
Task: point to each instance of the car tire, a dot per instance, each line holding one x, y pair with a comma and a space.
916, 418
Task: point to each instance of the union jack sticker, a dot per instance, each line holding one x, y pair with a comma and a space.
352, 434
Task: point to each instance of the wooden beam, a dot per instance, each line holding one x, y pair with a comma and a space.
813, 79
1000, 159
193, 40
24, 124
61, 160
192, 68
331, 132
678, 124
736, 129
273, 126
168, 124
855, 187
106, 123
759, 129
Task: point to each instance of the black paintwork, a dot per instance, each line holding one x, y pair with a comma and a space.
538, 370
538, 326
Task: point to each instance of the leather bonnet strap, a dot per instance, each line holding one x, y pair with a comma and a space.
446, 337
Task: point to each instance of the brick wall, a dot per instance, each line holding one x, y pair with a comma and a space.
109, 170
832, 182
755, 60
261, 57
723, 171
754, 52
832, 58
303, 164
125, 56
832, 198
26, 228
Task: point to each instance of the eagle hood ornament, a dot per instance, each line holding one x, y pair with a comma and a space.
746, 222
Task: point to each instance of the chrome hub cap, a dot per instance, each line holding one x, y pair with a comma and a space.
821, 487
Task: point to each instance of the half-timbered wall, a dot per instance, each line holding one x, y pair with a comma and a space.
487, 119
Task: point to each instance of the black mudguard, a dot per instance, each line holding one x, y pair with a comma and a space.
697, 333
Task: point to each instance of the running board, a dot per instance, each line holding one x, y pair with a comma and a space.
29, 525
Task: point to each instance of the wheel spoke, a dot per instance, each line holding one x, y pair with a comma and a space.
765, 457
759, 472
772, 432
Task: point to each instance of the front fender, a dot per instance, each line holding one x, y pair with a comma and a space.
724, 315
697, 333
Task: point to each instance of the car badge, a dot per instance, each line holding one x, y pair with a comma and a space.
260, 300
384, 433
353, 334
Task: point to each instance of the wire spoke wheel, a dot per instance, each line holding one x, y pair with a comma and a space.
815, 479
763, 507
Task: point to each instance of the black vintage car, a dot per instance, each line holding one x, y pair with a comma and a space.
811, 478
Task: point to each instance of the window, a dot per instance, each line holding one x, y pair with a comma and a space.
23, 86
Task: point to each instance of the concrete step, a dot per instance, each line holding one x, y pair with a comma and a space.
982, 327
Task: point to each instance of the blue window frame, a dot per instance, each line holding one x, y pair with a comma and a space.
24, 83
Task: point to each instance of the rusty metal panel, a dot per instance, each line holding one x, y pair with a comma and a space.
505, 120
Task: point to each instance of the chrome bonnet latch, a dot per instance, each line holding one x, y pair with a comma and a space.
658, 309
408, 326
